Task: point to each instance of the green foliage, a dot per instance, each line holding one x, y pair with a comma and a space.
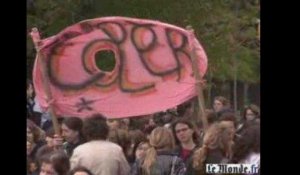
105, 60
225, 28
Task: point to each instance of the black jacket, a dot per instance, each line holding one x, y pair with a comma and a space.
189, 160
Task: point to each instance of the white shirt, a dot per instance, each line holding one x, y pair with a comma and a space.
101, 158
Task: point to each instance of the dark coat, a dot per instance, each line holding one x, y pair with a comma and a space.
189, 160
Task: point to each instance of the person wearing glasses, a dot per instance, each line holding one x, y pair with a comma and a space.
186, 140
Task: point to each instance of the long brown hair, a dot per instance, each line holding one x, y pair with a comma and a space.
187, 122
215, 137
161, 138
254, 108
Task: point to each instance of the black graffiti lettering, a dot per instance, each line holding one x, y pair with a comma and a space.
121, 79
182, 46
118, 43
63, 85
70, 35
116, 36
70, 86
150, 45
176, 50
142, 50
83, 58
104, 26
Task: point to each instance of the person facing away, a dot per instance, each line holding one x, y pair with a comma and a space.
159, 158
98, 155
35, 139
247, 147
217, 146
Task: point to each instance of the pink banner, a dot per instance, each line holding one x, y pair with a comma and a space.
153, 70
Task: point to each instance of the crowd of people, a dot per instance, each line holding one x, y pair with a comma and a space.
164, 143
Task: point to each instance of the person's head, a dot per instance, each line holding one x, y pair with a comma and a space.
28, 147
151, 122
227, 133
184, 131
113, 123
120, 137
168, 117
80, 170
141, 149
249, 142
49, 136
55, 163
228, 116
31, 166
125, 123
147, 130
158, 119
136, 136
217, 136
95, 128
220, 103
160, 139
211, 116
29, 89
33, 132
71, 129
251, 113
186, 109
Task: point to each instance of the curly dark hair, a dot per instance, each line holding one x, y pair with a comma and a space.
59, 160
247, 143
95, 128
75, 124
255, 109
228, 116
37, 133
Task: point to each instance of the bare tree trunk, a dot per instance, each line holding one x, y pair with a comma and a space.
246, 87
209, 83
235, 86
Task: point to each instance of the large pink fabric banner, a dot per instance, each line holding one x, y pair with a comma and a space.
153, 70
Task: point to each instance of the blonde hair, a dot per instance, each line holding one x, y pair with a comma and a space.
215, 137
161, 138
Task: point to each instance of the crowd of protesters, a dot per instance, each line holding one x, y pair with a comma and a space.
164, 143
